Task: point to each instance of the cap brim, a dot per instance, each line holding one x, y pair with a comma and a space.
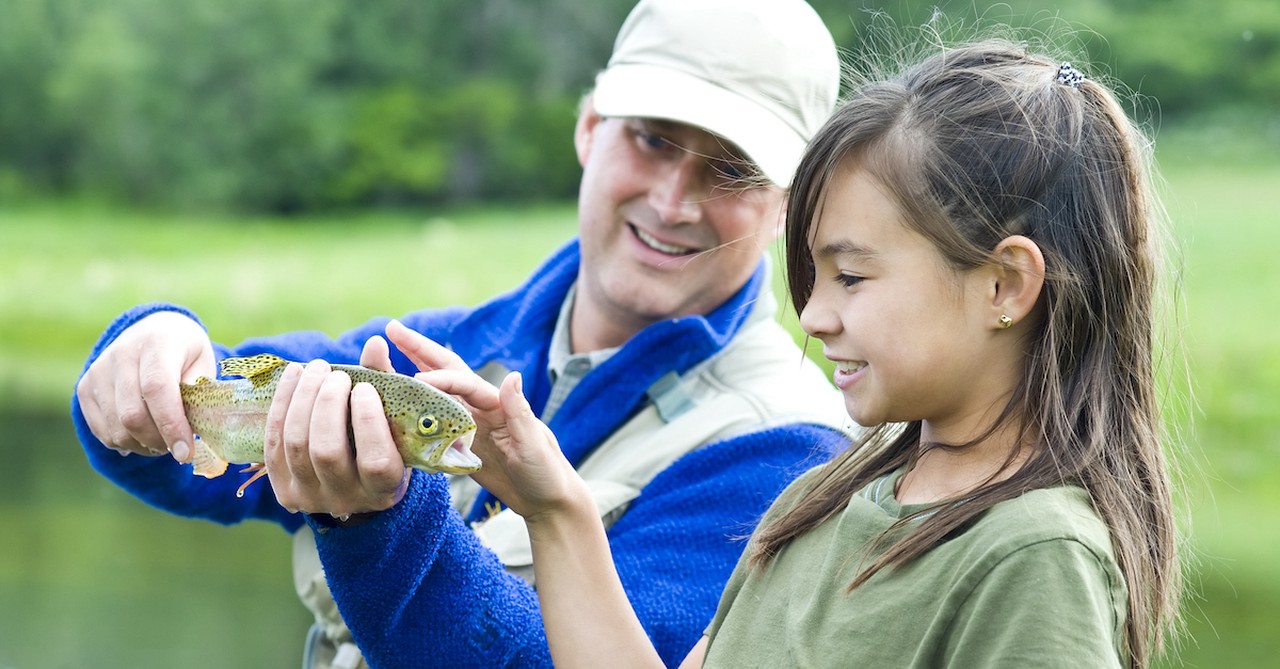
645, 91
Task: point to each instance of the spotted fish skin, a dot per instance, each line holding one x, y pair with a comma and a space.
432, 430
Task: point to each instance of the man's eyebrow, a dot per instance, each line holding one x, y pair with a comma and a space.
845, 247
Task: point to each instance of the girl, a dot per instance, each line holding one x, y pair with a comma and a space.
973, 243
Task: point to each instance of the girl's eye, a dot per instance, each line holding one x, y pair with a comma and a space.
848, 280
427, 424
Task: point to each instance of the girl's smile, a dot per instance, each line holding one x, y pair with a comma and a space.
847, 373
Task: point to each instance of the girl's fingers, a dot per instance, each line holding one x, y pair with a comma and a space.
524, 427
466, 384
376, 354
424, 352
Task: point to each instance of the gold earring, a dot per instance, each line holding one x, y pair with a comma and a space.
1005, 321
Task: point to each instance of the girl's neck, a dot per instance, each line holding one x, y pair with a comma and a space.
941, 474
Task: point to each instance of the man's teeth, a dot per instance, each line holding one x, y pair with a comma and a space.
850, 367
659, 246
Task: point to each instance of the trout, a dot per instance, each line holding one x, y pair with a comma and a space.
432, 430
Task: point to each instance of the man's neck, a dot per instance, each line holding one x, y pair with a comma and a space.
590, 329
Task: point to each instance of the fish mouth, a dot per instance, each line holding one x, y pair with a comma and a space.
456, 457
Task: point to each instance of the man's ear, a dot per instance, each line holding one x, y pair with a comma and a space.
584, 131
1019, 278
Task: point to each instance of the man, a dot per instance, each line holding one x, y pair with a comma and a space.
647, 344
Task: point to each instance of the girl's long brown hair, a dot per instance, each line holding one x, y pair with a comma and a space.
976, 144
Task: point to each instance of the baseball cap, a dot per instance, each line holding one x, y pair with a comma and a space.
762, 74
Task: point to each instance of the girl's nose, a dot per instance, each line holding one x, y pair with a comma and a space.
817, 320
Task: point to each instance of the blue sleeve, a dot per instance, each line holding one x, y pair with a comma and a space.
168, 485
417, 588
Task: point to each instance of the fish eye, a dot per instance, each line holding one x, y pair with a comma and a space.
427, 424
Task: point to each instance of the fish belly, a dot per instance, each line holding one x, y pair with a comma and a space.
234, 434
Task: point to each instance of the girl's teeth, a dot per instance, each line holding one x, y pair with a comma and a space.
850, 367
659, 246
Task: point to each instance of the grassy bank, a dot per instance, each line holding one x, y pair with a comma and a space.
67, 270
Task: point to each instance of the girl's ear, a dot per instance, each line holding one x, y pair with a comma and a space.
1019, 278
584, 131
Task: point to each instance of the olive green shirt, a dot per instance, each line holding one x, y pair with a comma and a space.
1033, 583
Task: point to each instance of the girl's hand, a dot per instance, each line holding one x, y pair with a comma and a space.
523, 465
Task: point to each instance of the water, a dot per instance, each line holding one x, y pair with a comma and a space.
91, 577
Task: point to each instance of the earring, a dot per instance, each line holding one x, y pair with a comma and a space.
1005, 321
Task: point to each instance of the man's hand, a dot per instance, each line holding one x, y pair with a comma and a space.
312, 464
129, 395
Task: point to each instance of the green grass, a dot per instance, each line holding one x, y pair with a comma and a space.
66, 270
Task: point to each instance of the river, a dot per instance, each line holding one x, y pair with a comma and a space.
91, 577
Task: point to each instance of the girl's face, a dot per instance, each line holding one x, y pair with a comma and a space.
909, 335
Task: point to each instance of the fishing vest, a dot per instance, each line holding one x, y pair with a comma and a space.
759, 380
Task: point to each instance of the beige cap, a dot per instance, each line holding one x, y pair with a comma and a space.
762, 74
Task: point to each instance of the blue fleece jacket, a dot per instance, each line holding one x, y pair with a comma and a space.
414, 584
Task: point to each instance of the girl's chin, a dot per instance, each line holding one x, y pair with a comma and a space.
860, 414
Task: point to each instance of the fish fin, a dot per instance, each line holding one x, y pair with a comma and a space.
183, 387
259, 468
255, 368
205, 462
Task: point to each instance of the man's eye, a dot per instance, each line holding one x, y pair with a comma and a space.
652, 141
731, 170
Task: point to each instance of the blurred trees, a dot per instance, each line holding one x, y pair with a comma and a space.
284, 105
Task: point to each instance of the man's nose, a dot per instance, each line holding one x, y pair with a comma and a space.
676, 193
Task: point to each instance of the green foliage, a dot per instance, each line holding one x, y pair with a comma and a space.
232, 117
280, 105
394, 148
1190, 56
286, 105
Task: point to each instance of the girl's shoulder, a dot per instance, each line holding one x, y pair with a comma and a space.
1062, 513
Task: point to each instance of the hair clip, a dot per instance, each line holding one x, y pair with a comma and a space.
1069, 76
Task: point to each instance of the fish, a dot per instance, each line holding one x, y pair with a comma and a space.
432, 430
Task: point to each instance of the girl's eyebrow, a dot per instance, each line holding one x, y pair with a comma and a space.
845, 247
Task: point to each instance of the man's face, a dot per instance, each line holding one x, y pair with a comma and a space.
672, 220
